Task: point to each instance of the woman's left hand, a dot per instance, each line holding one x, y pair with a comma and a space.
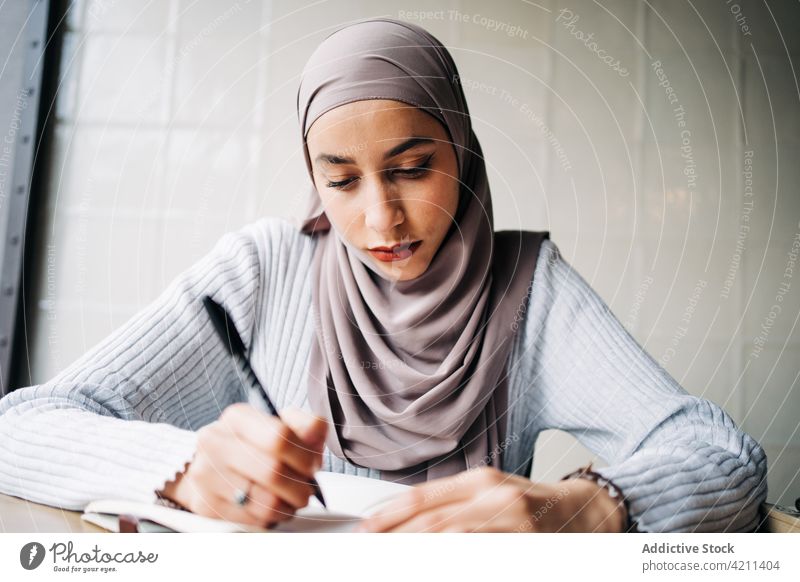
485, 500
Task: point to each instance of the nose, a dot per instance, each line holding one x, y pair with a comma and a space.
384, 209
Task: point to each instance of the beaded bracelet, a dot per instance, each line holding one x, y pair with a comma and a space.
615, 492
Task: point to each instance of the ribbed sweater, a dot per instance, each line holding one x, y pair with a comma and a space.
121, 421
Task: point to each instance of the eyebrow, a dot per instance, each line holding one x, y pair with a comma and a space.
395, 151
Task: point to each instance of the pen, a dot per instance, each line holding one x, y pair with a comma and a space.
233, 343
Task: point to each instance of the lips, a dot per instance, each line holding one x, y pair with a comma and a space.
397, 252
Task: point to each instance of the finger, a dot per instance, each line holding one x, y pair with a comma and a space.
278, 479
210, 503
422, 498
448, 517
266, 507
238, 470
454, 517
261, 507
254, 464
261, 504
487, 514
228, 510
310, 428
270, 435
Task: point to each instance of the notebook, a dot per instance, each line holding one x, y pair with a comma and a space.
779, 519
349, 499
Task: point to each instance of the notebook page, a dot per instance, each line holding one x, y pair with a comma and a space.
348, 497
359, 496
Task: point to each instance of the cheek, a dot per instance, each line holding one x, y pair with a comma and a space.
442, 196
333, 203
342, 211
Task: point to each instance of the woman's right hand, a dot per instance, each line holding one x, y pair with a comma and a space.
248, 448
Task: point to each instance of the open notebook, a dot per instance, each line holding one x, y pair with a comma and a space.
349, 499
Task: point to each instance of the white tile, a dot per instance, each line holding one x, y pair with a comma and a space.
590, 97
181, 242
282, 176
772, 113
100, 261
496, 24
46, 358
772, 394
516, 172
68, 76
201, 19
783, 479
727, 280
776, 203
302, 25
74, 14
127, 16
504, 85
685, 299
60, 169
705, 99
209, 174
611, 24
284, 67
438, 18
593, 185
216, 82
695, 192
283, 183
595, 70
765, 279
696, 28
772, 31
123, 79
64, 333
112, 169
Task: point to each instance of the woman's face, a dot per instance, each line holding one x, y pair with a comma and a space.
387, 175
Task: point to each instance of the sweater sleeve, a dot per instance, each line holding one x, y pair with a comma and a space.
681, 461
119, 422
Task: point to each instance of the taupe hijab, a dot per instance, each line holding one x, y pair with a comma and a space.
412, 374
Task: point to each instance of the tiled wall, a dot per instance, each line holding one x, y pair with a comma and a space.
176, 123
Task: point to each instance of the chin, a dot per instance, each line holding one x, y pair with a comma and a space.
406, 273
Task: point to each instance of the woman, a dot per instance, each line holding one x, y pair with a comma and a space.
401, 339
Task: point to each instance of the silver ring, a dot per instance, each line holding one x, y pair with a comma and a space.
241, 497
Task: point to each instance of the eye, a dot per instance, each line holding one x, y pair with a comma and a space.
341, 185
414, 171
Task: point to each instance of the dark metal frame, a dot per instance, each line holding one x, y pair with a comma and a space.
39, 65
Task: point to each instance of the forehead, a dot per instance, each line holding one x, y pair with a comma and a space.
369, 125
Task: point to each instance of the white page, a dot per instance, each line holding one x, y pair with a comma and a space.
349, 498
353, 495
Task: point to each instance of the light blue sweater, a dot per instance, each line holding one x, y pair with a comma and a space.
120, 421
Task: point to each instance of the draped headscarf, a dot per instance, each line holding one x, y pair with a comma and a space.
412, 374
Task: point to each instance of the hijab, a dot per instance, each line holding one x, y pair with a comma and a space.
411, 374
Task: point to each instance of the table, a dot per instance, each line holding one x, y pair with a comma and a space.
19, 515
